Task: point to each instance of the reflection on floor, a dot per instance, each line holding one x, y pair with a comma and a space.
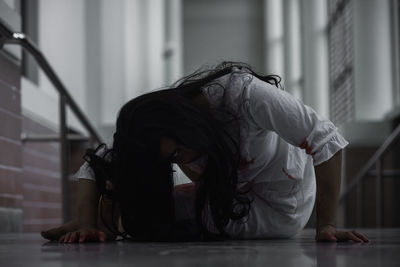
32, 250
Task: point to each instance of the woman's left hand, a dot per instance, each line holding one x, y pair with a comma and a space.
330, 234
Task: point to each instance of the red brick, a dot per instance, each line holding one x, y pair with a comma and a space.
10, 154
11, 200
9, 180
10, 126
42, 213
40, 227
10, 100
10, 72
39, 179
40, 160
52, 150
40, 196
31, 126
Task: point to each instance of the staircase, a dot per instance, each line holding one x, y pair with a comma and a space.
371, 195
63, 137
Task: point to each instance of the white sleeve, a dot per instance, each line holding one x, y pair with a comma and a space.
276, 110
85, 171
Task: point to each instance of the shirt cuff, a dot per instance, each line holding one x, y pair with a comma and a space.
84, 172
330, 148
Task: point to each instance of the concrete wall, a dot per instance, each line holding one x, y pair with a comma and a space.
214, 31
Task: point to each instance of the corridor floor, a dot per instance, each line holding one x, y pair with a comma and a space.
31, 250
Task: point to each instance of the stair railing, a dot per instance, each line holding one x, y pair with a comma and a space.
8, 36
367, 170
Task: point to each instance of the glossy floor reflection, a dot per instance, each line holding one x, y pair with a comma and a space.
32, 250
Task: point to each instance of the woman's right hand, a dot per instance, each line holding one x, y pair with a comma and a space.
84, 235
57, 232
87, 226
73, 231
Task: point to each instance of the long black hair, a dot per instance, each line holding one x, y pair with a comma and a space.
143, 183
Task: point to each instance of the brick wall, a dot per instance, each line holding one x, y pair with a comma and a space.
11, 196
30, 179
41, 179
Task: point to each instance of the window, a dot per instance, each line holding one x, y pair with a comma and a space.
341, 60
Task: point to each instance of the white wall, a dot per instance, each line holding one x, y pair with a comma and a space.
373, 59
296, 49
315, 55
93, 59
214, 31
61, 38
293, 48
274, 39
105, 52
173, 41
132, 48
132, 38
113, 59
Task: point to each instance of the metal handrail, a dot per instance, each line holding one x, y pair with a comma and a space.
52, 138
8, 36
371, 162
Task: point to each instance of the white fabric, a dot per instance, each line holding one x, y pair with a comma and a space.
85, 172
273, 127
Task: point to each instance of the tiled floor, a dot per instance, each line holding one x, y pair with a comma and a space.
32, 250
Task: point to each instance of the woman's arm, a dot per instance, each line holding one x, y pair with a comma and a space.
328, 176
328, 185
85, 226
88, 199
